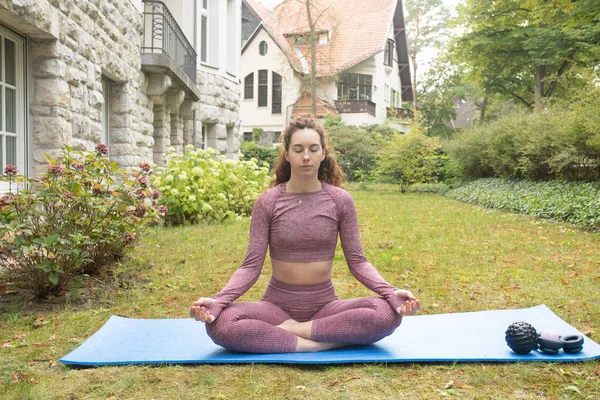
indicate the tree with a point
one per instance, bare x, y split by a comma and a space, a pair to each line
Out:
522, 48
426, 21
308, 14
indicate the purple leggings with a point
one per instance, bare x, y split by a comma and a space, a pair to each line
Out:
251, 327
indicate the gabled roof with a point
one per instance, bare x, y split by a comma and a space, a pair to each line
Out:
302, 107
358, 29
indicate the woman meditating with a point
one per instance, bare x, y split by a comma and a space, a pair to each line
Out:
299, 219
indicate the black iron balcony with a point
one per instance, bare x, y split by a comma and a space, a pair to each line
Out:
355, 106
399, 113
162, 35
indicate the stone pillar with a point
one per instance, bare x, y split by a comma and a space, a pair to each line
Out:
162, 136
174, 100
50, 115
187, 112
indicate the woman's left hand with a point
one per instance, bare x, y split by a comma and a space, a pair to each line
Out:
411, 304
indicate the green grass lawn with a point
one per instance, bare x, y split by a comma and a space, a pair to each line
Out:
455, 257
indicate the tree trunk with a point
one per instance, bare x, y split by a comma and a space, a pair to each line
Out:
413, 57
540, 73
483, 107
313, 61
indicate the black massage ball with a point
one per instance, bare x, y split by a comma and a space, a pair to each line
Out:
521, 337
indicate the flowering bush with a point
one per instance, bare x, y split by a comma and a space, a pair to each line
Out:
197, 186
80, 214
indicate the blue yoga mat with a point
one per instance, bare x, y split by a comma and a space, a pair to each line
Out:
459, 337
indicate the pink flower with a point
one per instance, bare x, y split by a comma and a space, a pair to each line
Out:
163, 210
155, 194
140, 211
68, 195
102, 149
144, 166
143, 181
78, 166
11, 169
56, 169
128, 238
5, 200
139, 193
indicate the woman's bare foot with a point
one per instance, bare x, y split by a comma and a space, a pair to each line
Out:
300, 329
311, 346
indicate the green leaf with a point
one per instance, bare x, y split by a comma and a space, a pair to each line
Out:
53, 278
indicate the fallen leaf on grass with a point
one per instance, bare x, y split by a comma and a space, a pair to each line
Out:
40, 345
7, 345
332, 384
20, 335
52, 338
351, 377
461, 385
300, 387
565, 281
52, 363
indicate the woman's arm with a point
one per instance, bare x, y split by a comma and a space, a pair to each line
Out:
249, 272
358, 264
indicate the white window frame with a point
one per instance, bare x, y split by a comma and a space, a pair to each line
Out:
19, 88
204, 143
204, 12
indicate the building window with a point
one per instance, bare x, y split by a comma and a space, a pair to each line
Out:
388, 58
276, 94
276, 136
12, 109
262, 48
263, 87
204, 32
204, 142
247, 136
393, 98
106, 111
249, 86
355, 87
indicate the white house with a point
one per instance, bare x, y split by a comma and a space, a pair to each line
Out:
362, 62
138, 75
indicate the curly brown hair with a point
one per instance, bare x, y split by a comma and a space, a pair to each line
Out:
329, 170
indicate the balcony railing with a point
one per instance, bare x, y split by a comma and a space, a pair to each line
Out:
355, 106
400, 113
163, 35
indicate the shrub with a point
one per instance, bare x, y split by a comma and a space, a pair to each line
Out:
559, 142
79, 215
413, 158
438, 188
576, 203
195, 186
356, 150
264, 154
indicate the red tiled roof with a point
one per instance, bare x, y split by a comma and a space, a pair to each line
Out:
359, 30
302, 107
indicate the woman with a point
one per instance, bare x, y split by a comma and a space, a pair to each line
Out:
299, 219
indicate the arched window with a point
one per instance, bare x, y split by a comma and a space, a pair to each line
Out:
262, 48
249, 86
276, 94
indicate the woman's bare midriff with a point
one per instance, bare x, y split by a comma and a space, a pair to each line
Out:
302, 273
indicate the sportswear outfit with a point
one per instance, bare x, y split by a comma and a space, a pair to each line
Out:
302, 227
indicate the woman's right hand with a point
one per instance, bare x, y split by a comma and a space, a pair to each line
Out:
199, 312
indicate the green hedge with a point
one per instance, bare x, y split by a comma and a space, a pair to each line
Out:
572, 202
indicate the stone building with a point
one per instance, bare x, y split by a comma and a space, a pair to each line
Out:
138, 75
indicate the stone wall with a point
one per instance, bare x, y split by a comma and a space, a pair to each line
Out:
219, 107
96, 39
76, 45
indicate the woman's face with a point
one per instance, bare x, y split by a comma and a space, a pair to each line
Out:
305, 153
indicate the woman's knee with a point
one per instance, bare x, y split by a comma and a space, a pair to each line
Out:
222, 329
387, 317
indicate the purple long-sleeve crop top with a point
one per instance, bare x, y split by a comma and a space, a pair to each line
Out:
303, 227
